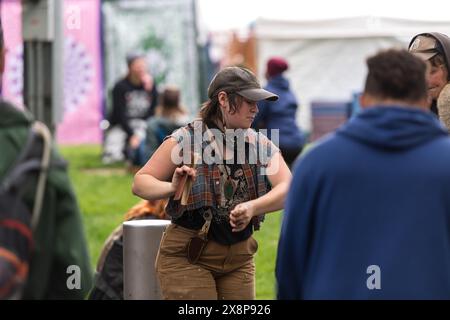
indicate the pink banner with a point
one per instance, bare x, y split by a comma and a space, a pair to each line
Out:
12, 87
82, 71
82, 67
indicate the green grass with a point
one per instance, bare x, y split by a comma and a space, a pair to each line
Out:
103, 192
267, 238
104, 195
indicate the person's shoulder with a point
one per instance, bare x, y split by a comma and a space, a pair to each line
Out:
4, 104
9, 107
441, 146
260, 141
184, 133
196, 124
121, 84
258, 136
13, 116
152, 121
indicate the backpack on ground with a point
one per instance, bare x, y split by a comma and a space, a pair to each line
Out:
17, 222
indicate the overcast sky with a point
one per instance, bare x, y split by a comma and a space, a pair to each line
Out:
237, 14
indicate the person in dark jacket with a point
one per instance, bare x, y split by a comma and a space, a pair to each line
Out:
59, 239
281, 114
368, 208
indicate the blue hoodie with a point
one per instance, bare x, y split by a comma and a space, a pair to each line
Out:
376, 194
280, 114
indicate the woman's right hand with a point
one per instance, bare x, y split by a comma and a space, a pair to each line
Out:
180, 173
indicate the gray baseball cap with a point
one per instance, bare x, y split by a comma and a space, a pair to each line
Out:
424, 47
241, 81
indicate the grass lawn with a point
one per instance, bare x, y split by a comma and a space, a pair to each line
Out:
104, 195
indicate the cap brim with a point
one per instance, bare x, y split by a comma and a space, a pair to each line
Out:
258, 94
425, 56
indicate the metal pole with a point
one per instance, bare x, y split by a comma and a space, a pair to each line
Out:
30, 76
57, 83
39, 85
42, 31
141, 240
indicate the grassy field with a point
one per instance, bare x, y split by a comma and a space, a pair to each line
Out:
104, 195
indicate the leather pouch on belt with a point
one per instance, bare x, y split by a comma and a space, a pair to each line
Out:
197, 244
195, 248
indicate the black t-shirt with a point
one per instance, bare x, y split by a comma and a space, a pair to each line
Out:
220, 230
131, 102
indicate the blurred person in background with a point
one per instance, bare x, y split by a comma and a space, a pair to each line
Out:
434, 48
281, 114
134, 99
59, 239
169, 116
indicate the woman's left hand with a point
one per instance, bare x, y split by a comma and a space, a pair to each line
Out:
241, 216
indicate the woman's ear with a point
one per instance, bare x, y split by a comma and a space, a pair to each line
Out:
223, 99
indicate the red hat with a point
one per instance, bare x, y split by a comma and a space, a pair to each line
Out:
276, 65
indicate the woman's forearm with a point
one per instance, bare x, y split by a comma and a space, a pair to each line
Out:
148, 187
273, 200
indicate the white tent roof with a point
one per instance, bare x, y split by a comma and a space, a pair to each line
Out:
354, 27
327, 57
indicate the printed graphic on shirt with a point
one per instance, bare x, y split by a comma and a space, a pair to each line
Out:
234, 190
137, 103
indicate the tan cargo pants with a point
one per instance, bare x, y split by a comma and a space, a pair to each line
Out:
223, 271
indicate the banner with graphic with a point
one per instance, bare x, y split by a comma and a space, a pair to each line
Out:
162, 29
82, 67
12, 85
82, 73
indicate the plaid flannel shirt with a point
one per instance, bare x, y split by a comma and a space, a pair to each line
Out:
206, 188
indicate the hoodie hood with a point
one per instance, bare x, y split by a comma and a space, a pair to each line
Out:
11, 116
279, 82
393, 127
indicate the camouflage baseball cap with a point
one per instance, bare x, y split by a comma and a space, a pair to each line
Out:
241, 81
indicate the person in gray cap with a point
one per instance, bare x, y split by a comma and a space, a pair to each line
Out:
207, 251
434, 48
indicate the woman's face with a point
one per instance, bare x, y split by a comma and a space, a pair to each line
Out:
436, 80
244, 115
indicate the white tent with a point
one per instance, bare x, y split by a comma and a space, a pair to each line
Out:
327, 57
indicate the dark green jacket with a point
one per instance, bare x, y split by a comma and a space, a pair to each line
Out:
59, 239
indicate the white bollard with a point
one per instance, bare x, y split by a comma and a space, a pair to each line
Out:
141, 240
